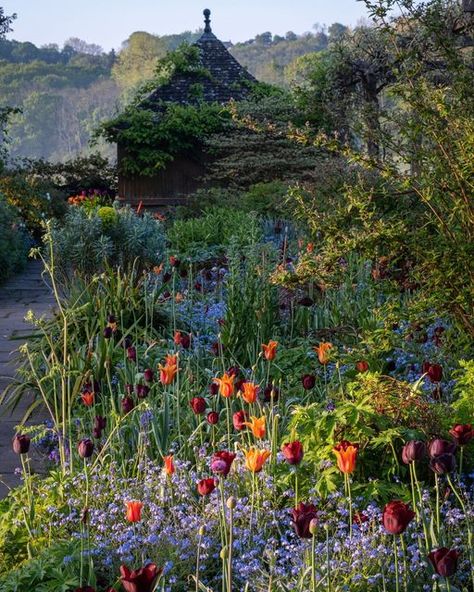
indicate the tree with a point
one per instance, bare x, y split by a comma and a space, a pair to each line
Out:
5, 22
80, 46
336, 31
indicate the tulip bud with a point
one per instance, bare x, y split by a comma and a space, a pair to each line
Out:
397, 516
313, 525
127, 404
21, 443
132, 354
212, 417
142, 390
201, 531
231, 503
444, 463
148, 375
413, 451
439, 446
213, 388
308, 380
444, 561
85, 448
238, 419
462, 434
271, 394
198, 405
107, 332
111, 319
224, 553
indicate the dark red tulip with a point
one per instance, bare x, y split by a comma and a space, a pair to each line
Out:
212, 417
439, 446
444, 561
166, 277
221, 462
462, 433
111, 319
443, 463
413, 451
132, 354
233, 371
99, 425
293, 452
434, 371
129, 389
397, 516
148, 375
139, 580
206, 486
308, 380
198, 286
107, 332
85, 448
239, 384
127, 342
271, 394
302, 516
213, 388
198, 405
238, 419
85, 589
127, 404
186, 341
21, 443
142, 390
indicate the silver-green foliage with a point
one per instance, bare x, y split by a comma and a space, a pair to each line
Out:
87, 243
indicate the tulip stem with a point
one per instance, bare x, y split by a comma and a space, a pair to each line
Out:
349, 495
395, 553
461, 455
438, 520
229, 556
296, 487
313, 563
328, 558
405, 566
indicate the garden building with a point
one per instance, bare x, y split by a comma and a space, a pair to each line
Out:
224, 80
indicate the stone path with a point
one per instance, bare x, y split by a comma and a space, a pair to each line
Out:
24, 292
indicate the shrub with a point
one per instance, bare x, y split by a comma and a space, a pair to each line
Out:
89, 242
13, 240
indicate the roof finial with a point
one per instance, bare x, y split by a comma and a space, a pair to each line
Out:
207, 20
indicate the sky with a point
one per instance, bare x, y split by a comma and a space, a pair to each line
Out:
109, 22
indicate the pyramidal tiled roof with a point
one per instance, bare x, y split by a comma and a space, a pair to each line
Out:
227, 78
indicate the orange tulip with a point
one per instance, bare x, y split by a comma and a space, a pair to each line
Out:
88, 398
269, 349
171, 360
226, 385
257, 425
167, 373
323, 352
134, 511
249, 392
310, 247
346, 454
169, 465
158, 269
255, 459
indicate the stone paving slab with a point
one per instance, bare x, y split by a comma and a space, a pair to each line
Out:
22, 293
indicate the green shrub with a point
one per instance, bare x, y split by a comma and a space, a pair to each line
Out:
13, 240
89, 242
209, 235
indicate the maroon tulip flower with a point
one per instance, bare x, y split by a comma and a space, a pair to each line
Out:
362, 366
443, 463
127, 404
21, 443
212, 417
99, 425
85, 448
148, 374
233, 371
139, 580
462, 433
397, 516
213, 388
439, 446
206, 486
293, 452
306, 301
132, 353
174, 261
85, 589
434, 371
413, 451
308, 380
238, 419
271, 393
221, 462
444, 561
302, 516
142, 391
198, 405
107, 332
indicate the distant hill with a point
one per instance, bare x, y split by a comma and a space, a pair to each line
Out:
65, 92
